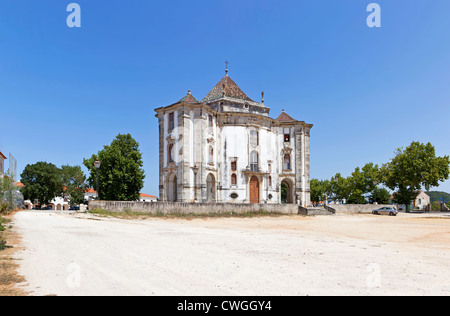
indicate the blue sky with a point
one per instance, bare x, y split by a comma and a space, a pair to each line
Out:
66, 92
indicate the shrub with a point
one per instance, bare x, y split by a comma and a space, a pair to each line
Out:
2, 228
436, 206
4, 208
2, 222
3, 245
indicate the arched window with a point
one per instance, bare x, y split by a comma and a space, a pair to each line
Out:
254, 161
233, 179
270, 181
287, 162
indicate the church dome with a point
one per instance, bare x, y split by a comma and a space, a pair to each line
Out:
226, 88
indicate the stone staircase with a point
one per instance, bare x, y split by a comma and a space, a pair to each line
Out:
314, 211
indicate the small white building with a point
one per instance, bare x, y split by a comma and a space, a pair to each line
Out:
148, 198
59, 204
422, 202
90, 194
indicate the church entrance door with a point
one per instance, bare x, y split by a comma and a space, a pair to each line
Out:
254, 190
172, 189
286, 192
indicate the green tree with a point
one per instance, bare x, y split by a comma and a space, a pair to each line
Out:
381, 196
357, 187
43, 182
120, 176
73, 180
339, 188
413, 168
363, 180
404, 196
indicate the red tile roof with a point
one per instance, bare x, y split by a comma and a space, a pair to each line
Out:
228, 88
285, 118
2, 156
150, 196
189, 98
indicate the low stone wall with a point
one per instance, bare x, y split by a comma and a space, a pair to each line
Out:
355, 208
167, 208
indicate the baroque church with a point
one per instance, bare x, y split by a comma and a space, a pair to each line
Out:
226, 148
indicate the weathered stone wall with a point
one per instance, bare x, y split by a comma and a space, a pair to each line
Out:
355, 208
167, 208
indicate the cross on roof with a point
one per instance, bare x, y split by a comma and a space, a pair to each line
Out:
226, 70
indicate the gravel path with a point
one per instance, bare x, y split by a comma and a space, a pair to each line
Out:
68, 254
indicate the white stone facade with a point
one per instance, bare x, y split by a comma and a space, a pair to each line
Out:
226, 148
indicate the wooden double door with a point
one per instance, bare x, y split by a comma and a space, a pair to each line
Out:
254, 190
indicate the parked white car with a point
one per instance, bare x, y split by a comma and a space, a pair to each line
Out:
387, 210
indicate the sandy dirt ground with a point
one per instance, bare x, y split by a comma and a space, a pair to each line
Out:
67, 254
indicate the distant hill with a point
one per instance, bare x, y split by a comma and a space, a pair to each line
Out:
436, 195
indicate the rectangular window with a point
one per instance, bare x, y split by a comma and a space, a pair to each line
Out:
171, 121
287, 162
211, 155
210, 119
254, 161
170, 153
287, 135
233, 165
287, 138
